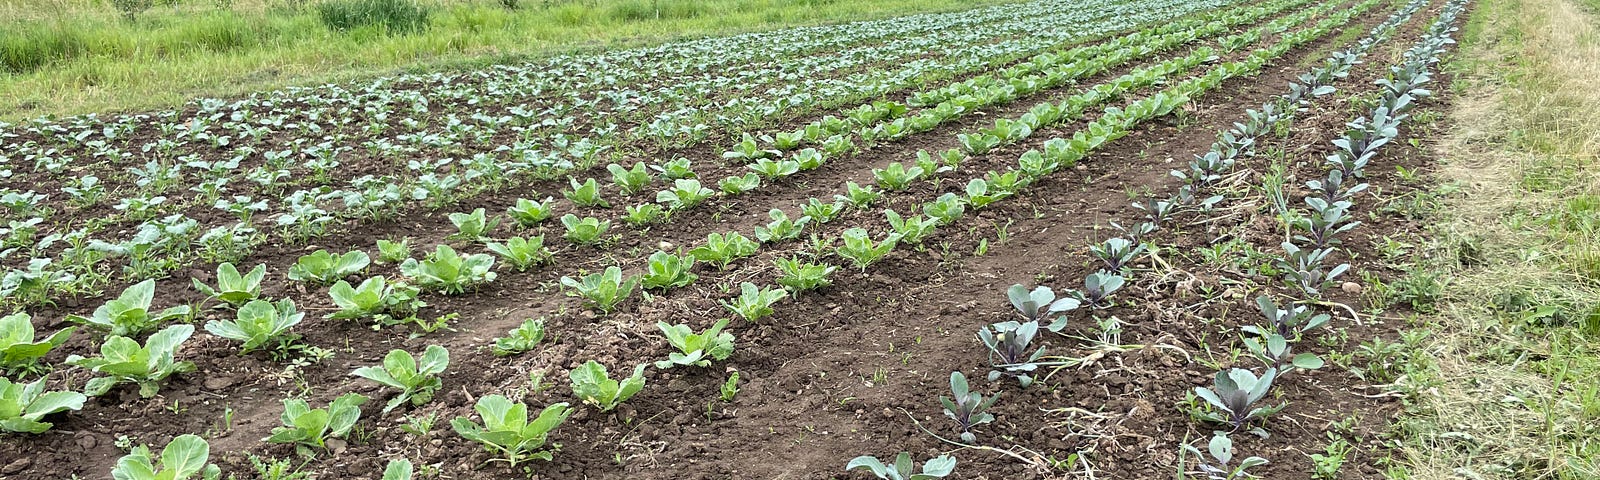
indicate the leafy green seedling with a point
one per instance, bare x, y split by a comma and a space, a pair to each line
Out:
630, 180
520, 339
684, 194
781, 228
799, 276
722, 249
1039, 304
1008, 344
323, 268
233, 288
122, 360
696, 349
313, 427
522, 253
859, 248
586, 230
373, 298
903, 468
591, 383
528, 213
183, 458
1221, 450
1235, 394
668, 271
1277, 353
129, 314
507, 431
260, 323
449, 272
473, 226
586, 194
24, 406
966, 407
603, 291
417, 381
19, 352
753, 302
394, 252
730, 388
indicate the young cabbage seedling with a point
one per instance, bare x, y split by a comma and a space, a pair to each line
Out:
398, 469
1291, 322
903, 468
821, 212
591, 383
781, 228
520, 339
130, 314
310, 427
696, 349
233, 288
730, 388
1098, 287
24, 406
473, 226
122, 360
586, 194
753, 302
1117, 253
1276, 353
603, 291
1235, 393
375, 298
799, 276
449, 272
668, 271
1008, 350
1221, 450
260, 324
394, 252
415, 380
1040, 304
528, 213
896, 176
722, 249
645, 214
685, 193
522, 253
967, 408
323, 268
19, 353
183, 458
507, 431
859, 248
913, 229
585, 231
736, 185
630, 180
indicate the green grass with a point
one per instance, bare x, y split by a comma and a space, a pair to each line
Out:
60, 58
1508, 387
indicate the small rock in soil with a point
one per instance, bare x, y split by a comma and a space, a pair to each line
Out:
17, 466
1351, 288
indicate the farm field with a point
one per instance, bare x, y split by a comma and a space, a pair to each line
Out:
1043, 239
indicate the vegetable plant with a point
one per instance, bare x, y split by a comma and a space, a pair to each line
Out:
946, 209
394, 252
736, 185
374, 297
630, 180
449, 272
858, 247
260, 323
1275, 351
1008, 344
1235, 393
24, 406
903, 468
522, 253
507, 431
685, 193
123, 360
1291, 322
591, 383
897, 176
310, 427
753, 302
858, 196
472, 226
696, 349
233, 288
911, 230
323, 268
585, 194
183, 458
585, 231
129, 314
966, 407
1098, 287
668, 271
721, 249
416, 380
1039, 304
520, 339
678, 168
771, 169
1221, 455
799, 276
528, 213
19, 352
821, 212
1117, 253
781, 228
645, 214
604, 290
